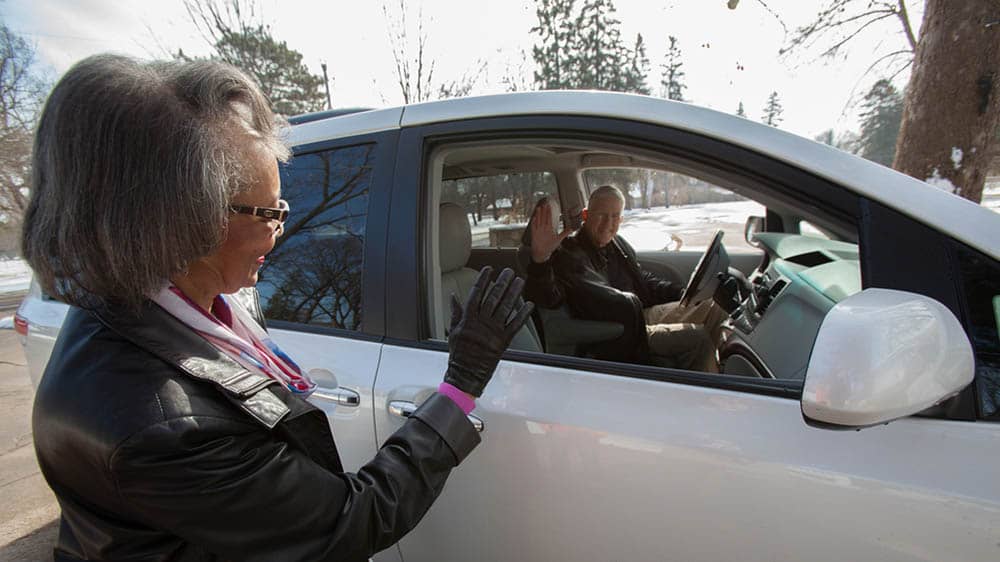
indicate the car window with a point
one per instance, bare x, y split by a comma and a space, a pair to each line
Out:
774, 306
982, 294
314, 275
669, 211
500, 205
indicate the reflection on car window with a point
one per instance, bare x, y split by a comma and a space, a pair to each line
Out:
807, 229
667, 211
499, 206
314, 274
982, 294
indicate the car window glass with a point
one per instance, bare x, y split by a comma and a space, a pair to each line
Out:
314, 275
774, 305
499, 206
667, 211
981, 275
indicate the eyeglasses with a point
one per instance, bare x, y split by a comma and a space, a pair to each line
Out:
269, 213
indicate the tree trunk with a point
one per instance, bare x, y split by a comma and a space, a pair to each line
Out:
951, 114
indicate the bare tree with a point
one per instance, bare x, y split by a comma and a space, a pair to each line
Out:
238, 36
465, 85
412, 74
21, 95
415, 67
517, 75
951, 112
841, 21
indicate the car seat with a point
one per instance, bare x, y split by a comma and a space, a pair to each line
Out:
454, 248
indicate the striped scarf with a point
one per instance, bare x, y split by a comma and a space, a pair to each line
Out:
233, 332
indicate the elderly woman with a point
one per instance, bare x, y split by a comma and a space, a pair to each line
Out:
169, 426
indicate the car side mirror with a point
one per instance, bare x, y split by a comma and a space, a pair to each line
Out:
883, 354
753, 225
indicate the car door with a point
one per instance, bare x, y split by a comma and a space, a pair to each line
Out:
590, 460
321, 286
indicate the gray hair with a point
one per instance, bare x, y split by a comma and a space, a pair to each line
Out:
607, 191
134, 168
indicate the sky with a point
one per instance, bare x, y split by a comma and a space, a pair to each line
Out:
729, 56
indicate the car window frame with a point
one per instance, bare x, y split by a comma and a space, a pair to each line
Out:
409, 325
373, 299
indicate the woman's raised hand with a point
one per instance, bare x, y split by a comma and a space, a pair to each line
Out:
481, 332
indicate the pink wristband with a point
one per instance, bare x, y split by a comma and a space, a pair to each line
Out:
465, 402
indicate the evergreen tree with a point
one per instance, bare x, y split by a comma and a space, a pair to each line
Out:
672, 82
638, 68
600, 53
772, 110
740, 112
249, 46
278, 69
882, 112
583, 49
554, 53
826, 137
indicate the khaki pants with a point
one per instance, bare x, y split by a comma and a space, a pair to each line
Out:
684, 338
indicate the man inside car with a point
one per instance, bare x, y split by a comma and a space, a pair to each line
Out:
596, 274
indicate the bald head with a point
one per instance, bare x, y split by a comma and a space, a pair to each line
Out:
604, 214
607, 191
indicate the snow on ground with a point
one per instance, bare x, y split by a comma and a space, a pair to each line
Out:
7, 323
695, 225
651, 229
15, 275
991, 197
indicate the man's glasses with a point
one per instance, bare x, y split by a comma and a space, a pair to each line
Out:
269, 213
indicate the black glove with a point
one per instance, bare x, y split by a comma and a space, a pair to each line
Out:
667, 292
481, 334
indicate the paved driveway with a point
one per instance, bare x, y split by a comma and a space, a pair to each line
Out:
28, 512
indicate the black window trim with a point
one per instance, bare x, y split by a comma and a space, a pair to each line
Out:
373, 318
981, 355
409, 323
882, 231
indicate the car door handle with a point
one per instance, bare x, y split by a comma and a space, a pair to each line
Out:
404, 409
340, 396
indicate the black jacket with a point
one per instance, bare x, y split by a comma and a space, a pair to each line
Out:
158, 447
601, 284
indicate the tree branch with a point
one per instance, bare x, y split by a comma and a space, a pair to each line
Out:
833, 50
907, 28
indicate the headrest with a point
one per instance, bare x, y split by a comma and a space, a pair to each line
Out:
454, 237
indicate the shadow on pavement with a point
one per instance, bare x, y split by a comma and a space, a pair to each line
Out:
34, 546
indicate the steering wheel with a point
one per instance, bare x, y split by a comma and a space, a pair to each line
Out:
705, 279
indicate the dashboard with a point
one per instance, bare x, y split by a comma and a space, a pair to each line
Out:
799, 280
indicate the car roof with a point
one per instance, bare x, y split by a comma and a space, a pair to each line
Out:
973, 224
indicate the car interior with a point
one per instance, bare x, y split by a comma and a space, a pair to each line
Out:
773, 264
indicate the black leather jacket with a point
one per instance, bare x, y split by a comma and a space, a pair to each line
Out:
158, 447
601, 284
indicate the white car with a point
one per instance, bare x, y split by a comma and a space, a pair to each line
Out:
870, 297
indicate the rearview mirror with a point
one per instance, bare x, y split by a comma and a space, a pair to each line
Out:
881, 355
753, 225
